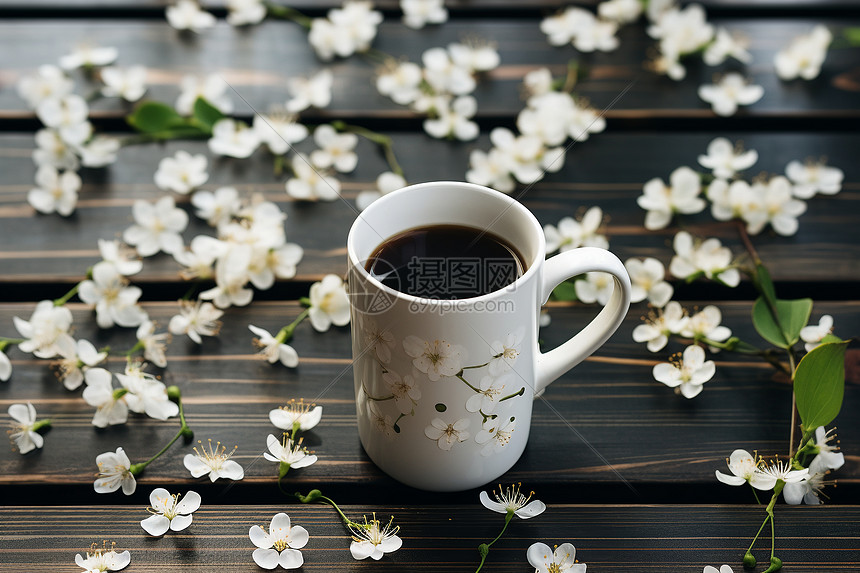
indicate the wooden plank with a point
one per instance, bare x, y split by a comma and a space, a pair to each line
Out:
257, 64
607, 170
643, 437
443, 538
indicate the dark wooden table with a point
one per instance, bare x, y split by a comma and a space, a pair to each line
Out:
625, 467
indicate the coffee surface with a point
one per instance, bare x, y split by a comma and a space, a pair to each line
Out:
445, 262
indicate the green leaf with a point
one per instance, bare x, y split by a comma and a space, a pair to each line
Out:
206, 113
793, 316
565, 291
765, 284
153, 116
852, 35
819, 384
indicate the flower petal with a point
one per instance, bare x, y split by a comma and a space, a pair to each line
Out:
361, 549
298, 537
232, 470
180, 522
490, 504
533, 509
266, 558
291, 559
189, 503
155, 525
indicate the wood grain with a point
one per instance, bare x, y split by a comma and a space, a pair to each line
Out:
257, 64
608, 170
443, 538
642, 436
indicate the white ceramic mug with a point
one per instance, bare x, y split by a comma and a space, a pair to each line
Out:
444, 388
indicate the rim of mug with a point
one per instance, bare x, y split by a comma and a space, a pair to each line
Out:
511, 203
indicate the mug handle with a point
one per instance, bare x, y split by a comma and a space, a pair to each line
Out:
552, 364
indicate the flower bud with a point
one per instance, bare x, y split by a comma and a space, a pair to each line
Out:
749, 561
775, 565
174, 393
483, 549
187, 434
312, 496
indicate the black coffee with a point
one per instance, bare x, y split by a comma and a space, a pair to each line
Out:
445, 262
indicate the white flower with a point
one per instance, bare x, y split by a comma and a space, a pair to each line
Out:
68, 114
52, 150
813, 335
157, 227
599, 35
23, 433
828, 455
444, 76
496, 433
766, 476
336, 149
731, 91
309, 184
187, 15
307, 416
214, 462
647, 278
621, 11
77, 358
114, 472
233, 139
687, 373
129, 83
804, 56
154, 345
101, 559
211, 88
44, 332
404, 389
386, 182
446, 435
244, 12
280, 545
505, 353
146, 394
5, 367
491, 390
181, 173
273, 349
314, 91
100, 393
722, 569
99, 151
538, 82
662, 201
582, 29
381, 340
347, 30
571, 234
708, 257
374, 540
49, 82
726, 160
168, 513
436, 359
512, 501
455, 120
681, 31
812, 178
595, 287
742, 465
89, 56
658, 326
115, 301
400, 81
562, 560
475, 56
218, 207
279, 131
419, 13
777, 207
196, 319
329, 303
288, 452
737, 199
380, 420
726, 46
491, 169
706, 324
808, 490
56, 192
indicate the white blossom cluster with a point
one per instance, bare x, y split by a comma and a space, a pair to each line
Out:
139, 392
776, 201
804, 56
68, 141
419, 13
550, 117
441, 87
647, 276
587, 32
345, 30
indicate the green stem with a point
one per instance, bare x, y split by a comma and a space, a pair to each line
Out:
46, 423
476, 366
772, 537
157, 136
190, 292
763, 523
484, 549
4, 342
287, 13
305, 301
755, 495
383, 141
572, 76
286, 333
460, 376
315, 496
184, 430
138, 346
65, 298
514, 395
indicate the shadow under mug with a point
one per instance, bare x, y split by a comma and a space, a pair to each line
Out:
444, 388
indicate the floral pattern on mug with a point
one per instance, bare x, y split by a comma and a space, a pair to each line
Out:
435, 359
445, 434
405, 390
496, 434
